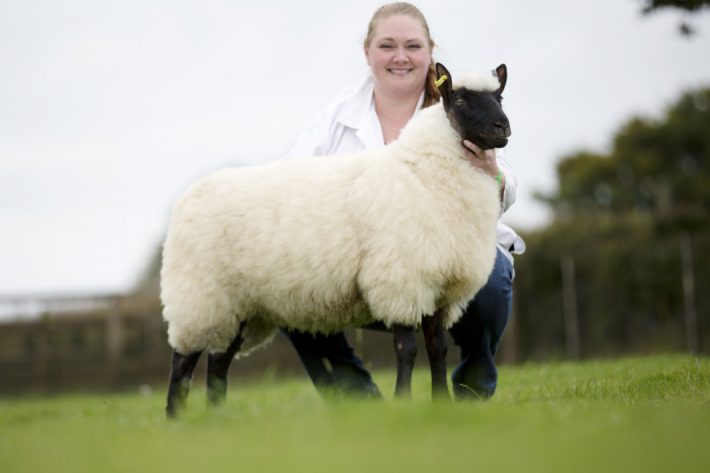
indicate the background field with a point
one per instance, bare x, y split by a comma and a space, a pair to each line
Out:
633, 414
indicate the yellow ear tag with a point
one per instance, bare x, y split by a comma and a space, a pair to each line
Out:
441, 80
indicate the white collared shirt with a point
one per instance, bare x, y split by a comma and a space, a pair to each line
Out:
350, 124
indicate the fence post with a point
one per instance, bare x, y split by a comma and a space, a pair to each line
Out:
114, 345
691, 318
569, 305
41, 357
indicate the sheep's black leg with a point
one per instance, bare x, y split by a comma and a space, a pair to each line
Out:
435, 340
218, 368
180, 377
406, 349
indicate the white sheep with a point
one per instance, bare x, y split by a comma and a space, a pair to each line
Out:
404, 234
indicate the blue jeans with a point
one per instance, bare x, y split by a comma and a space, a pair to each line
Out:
477, 333
346, 374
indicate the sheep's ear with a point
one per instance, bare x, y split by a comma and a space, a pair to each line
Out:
502, 73
443, 82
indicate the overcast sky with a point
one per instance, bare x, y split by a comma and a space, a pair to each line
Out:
108, 109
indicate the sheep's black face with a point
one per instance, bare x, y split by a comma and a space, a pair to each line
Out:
479, 118
476, 115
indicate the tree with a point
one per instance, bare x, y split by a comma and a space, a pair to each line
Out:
658, 167
623, 218
688, 6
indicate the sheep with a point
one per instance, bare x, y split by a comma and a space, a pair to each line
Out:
404, 235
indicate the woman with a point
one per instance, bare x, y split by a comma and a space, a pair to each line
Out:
398, 48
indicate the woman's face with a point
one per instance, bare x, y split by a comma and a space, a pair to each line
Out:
399, 55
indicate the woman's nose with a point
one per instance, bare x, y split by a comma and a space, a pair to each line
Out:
401, 55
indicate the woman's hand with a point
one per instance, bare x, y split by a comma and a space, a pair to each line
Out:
485, 160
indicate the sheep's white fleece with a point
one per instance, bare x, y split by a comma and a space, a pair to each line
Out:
321, 243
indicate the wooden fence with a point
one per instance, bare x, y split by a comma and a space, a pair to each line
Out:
122, 346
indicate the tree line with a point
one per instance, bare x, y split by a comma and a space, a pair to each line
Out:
625, 263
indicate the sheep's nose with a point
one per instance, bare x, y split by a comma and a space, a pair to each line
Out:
503, 127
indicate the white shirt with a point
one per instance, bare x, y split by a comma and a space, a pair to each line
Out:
350, 124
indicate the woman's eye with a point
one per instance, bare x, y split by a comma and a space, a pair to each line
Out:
386, 46
414, 46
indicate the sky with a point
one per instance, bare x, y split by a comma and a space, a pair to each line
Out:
108, 110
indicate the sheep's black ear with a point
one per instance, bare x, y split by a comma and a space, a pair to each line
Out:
502, 73
443, 81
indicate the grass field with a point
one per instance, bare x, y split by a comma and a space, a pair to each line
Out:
634, 414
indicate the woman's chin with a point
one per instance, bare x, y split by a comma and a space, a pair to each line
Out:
404, 85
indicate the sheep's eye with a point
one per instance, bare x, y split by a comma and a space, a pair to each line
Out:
458, 102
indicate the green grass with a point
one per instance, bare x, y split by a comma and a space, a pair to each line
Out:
635, 414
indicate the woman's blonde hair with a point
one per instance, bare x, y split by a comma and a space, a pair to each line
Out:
431, 91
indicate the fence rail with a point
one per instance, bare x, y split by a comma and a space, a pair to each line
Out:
120, 344
33, 306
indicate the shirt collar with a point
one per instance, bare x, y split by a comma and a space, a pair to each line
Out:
355, 112
359, 114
